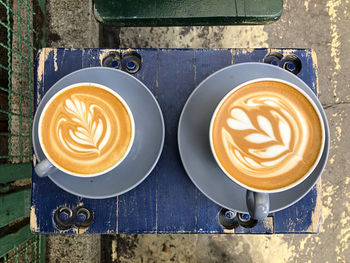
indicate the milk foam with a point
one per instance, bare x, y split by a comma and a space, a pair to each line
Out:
90, 127
266, 135
86, 130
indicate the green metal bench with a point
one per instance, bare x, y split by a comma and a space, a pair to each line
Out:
187, 12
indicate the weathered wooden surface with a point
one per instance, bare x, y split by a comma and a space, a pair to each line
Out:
167, 201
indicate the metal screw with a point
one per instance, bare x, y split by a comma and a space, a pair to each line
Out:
84, 217
112, 60
131, 62
291, 63
63, 218
230, 214
246, 221
273, 58
227, 219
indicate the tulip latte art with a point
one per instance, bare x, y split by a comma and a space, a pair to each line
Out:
267, 135
86, 130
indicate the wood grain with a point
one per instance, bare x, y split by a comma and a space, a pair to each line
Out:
167, 201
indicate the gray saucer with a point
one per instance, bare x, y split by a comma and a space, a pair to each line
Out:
148, 143
193, 138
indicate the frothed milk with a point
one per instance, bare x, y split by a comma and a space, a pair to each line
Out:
85, 130
267, 135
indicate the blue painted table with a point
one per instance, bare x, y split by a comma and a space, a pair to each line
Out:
167, 201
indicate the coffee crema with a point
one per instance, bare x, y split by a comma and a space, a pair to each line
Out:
86, 130
267, 135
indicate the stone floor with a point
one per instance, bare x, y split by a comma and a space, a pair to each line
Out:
319, 24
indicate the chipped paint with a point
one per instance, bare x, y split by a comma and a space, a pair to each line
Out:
284, 52
195, 78
304, 241
233, 52
343, 236
332, 8
34, 160
105, 52
114, 250
347, 180
41, 63
55, 59
33, 220
316, 217
268, 223
329, 191
315, 66
245, 51
306, 4
338, 133
127, 50
43, 55
229, 231
79, 230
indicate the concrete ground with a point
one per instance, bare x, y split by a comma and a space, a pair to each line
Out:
319, 24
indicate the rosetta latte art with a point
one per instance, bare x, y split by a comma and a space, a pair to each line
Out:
267, 135
88, 130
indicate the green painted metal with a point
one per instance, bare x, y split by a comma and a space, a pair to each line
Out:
12, 172
14, 206
43, 26
9, 243
30, 250
42, 251
18, 33
187, 12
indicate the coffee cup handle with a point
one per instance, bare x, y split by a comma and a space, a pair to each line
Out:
258, 204
43, 168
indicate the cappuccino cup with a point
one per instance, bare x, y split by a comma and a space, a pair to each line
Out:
267, 135
84, 130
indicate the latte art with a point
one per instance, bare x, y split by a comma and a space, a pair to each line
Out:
267, 135
269, 142
86, 130
83, 128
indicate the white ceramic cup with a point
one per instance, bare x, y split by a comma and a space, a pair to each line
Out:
48, 165
258, 200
